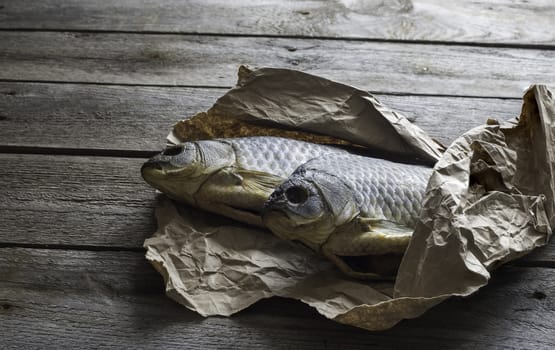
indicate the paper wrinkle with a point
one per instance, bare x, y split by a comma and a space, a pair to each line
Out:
299, 101
481, 224
481, 207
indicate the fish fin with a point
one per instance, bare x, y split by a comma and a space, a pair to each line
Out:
259, 181
227, 177
389, 229
368, 248
371, 236
237, 193
343, 265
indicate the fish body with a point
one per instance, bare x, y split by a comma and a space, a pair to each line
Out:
348, 205
232, 177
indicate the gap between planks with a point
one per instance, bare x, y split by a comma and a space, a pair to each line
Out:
118, 298
212, 60
284, 36
224, 87
521, 262
74, 247
505, 22
65, 151
133, 121
89, 202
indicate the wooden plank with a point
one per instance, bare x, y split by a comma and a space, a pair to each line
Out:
89, 202
79, 271
213, 61
501, 21
69, 200
139, 117
53, 299
93, 116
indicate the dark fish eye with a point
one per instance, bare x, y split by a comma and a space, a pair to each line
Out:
173, 151
296, 195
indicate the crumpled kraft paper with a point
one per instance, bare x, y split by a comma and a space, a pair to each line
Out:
288, 103
481, 209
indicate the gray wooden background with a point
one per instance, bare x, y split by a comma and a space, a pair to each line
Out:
89, 89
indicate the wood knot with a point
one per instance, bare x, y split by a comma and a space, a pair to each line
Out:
539, 295
5, 306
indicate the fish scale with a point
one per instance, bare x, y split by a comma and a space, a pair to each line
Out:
275, 155
382, 189
232, 177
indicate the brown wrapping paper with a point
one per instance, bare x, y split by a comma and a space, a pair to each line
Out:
481, 208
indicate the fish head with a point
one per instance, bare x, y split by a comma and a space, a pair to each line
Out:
180, 170
308, 207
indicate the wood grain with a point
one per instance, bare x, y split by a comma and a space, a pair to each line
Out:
189, 60
501, 21
93, 116
90, 202
84, 292
139, 117
65, 200
53, 298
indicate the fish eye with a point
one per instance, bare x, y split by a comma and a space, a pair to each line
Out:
173, 151
296, 195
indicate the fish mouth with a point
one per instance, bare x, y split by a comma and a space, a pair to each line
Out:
151, 169
223, 191
179, 183
285, 227
156, 173
152, 172
157, 168
279, 223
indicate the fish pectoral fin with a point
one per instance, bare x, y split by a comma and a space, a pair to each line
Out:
227, 177
389, 229
369, 248
237, 193
258, 181
371, 236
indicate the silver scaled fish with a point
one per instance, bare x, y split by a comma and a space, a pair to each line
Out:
349, 208
232, 177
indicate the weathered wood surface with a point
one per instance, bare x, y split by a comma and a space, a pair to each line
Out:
95, 116
64, 90
55, 299
67, 200
212, 61
139, 117
91, 202
501, 21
